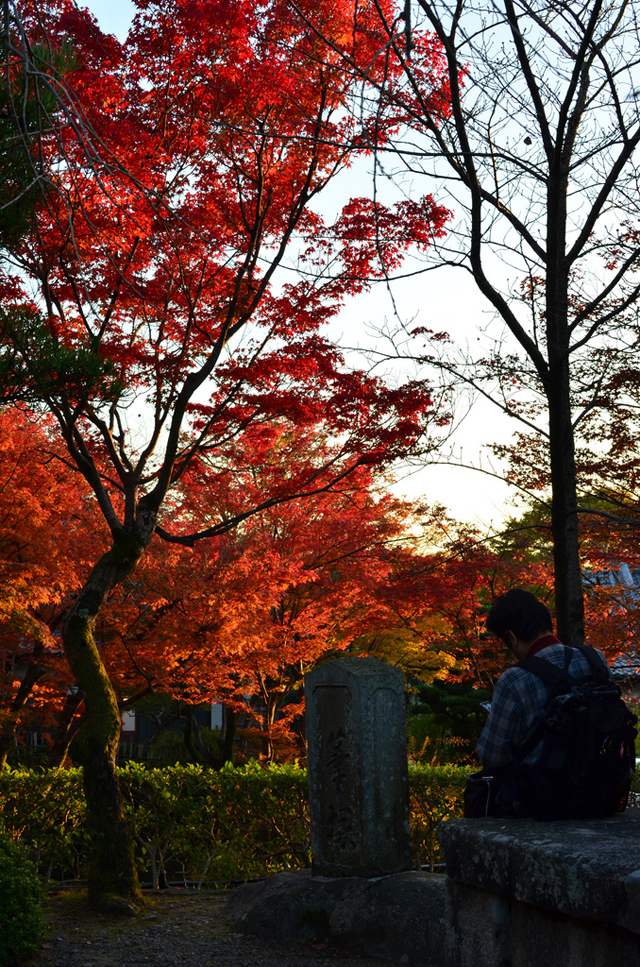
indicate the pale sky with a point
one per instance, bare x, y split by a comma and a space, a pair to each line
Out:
443, 300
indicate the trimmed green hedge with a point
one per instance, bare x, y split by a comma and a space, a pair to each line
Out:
205, 825
202, 826
199, 825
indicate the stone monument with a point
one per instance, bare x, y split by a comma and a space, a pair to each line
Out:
357, 765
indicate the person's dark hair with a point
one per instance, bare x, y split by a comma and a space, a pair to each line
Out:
521, 612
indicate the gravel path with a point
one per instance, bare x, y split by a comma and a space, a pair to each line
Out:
176, 929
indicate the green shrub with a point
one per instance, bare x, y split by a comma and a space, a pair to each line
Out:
437, 794
45, 811
21, 924
202, 826
444, 722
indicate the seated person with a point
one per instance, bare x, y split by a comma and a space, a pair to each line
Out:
579, 768
519, 700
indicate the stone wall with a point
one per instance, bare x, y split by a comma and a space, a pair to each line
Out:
522, 893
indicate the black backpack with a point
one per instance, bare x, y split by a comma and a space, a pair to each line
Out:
588, 753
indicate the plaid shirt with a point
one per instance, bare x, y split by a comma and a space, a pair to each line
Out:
518, 705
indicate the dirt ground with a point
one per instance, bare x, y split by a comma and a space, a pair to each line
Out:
177, 928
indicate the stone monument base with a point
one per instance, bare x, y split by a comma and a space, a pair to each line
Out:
399, 917
518, 893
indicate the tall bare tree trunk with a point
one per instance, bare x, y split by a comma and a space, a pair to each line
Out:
564, 514
564, 498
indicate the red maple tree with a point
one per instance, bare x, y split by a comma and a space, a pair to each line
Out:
50, 531
165, 327
240, 618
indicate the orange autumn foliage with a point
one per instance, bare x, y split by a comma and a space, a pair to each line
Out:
49, 532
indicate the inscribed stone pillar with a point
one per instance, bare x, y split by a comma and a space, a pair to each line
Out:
357, 764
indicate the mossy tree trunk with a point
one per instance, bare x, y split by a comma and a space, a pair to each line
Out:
112, 872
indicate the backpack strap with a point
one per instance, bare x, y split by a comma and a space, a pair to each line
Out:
549, 672
558, 678
597, 664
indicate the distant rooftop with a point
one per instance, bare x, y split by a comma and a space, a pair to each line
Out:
626, 666
620, 576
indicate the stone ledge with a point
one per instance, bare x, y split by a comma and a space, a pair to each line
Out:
586, 869
399, 917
